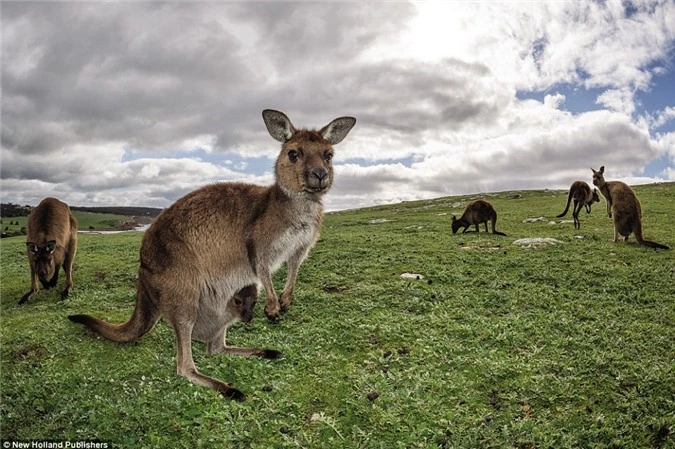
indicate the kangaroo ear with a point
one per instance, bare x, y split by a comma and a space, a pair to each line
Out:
454, 218
278, 125
50, 246
338, 129
602, 169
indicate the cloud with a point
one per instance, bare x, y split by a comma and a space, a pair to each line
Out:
620, 100
98, 107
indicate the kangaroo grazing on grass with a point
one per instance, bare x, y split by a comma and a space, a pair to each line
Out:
476, 212
583, 196
51, 243
624, 207
203, 252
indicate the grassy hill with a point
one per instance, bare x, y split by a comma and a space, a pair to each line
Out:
88, 218
497, 346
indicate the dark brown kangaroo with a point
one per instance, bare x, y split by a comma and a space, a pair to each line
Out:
583, 195
624, 207
476, 212
203, 250
51, 243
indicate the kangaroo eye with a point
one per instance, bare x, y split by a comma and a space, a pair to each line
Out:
293, 156
328, 157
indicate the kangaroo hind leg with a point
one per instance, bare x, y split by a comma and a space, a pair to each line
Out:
575, 214
219, 346
185, 365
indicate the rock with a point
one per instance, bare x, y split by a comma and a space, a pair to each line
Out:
412, 276
536, 242
535, 219
378, 220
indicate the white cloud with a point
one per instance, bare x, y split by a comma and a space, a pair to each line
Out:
662, 117
433, 86
619, 100
554, 101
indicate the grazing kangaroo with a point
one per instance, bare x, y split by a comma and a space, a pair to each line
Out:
51, 243
476, 212
624, 207
583, 196
201, 252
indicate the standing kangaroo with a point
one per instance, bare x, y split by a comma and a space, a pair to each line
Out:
582, 194
51, 243
624, 207
209, 245
476, 212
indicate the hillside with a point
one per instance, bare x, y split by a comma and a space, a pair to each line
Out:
120, 210
14, 218
495, 345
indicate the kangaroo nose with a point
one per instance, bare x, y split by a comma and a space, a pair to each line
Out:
321, 174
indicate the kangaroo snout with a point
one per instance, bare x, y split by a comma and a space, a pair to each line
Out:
318, 178
44, 276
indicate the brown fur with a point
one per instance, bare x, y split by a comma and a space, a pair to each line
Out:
583, 195
476, 212
624, 207
51, 243
204, 249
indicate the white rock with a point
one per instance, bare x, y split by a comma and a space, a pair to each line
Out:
536, 242
535, 219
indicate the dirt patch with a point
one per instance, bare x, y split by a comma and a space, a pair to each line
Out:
333, 288
31, 353
479, 247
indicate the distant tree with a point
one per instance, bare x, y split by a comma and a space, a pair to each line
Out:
24, 230
6, 228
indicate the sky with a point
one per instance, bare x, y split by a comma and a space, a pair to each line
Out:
139, 103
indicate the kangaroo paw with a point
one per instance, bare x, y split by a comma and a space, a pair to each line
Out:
233, 393
271, 354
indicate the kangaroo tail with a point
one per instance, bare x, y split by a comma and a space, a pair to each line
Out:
638, 236
567, 207
144, 318
494, 224
653, 244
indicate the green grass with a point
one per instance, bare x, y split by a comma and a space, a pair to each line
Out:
569, 346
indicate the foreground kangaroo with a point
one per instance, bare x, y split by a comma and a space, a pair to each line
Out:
476, 212
624, 207
51, 243
583, 196
204, 249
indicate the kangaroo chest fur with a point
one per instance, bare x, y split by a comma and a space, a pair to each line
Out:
299, 237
